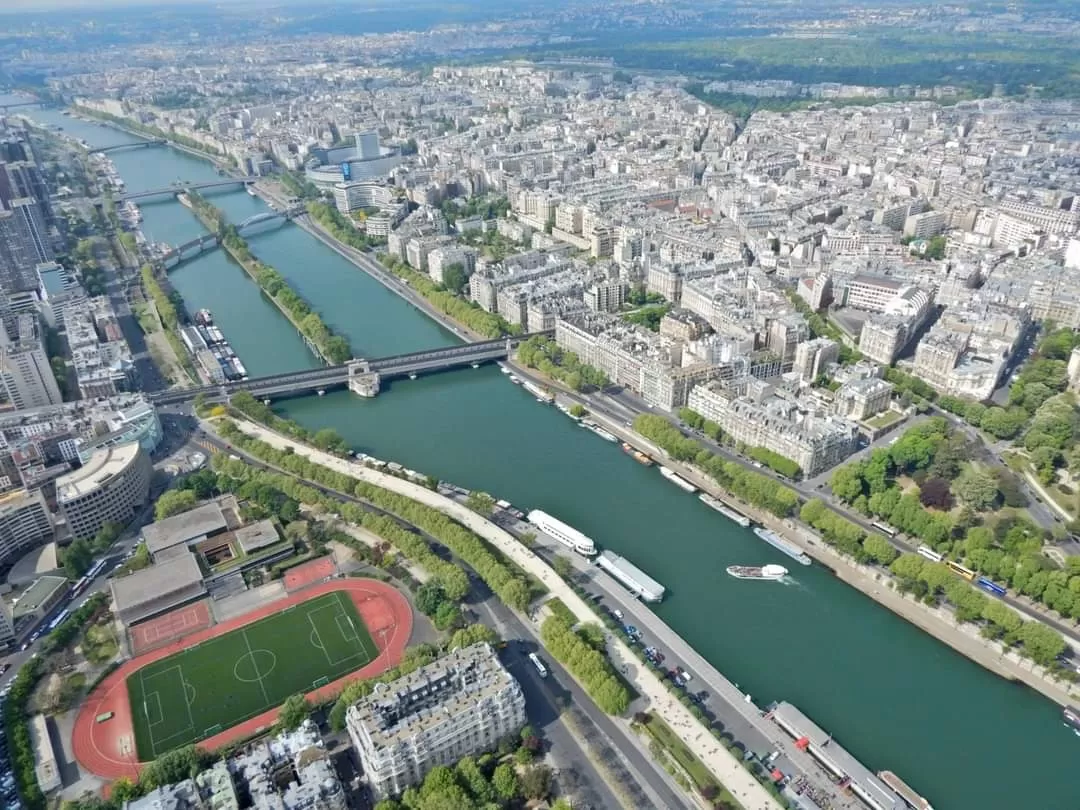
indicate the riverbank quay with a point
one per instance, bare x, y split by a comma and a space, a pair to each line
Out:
874, 583
88, 114
728, 770
740, 717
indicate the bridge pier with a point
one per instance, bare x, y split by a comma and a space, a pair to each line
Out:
362, 380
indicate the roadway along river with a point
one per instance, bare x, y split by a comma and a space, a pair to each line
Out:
891, 694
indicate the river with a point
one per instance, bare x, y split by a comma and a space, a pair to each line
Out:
894, 696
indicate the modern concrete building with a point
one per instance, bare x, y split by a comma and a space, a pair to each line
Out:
35, 603
367, 160
45, 765
25, 372
812, 357
7, 627
154, 590
25, 522
460, 705
106, 489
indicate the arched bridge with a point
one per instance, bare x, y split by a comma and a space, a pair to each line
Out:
179, 188
306, 382
209, 241
116, 147
16, 104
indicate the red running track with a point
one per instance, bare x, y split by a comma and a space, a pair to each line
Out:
108, 749
309, 573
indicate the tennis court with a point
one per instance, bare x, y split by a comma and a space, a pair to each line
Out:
224, 680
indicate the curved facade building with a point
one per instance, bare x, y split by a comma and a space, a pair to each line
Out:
106, 489
25, 523
366, 160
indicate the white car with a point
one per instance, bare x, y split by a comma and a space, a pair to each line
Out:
617, 614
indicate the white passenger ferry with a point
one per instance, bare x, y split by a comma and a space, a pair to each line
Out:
567, 535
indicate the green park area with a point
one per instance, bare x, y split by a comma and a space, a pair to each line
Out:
223, 681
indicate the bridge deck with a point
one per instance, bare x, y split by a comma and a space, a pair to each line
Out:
312, 380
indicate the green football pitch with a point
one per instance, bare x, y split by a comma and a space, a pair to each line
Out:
226, 680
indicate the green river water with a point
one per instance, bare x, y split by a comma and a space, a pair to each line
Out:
894, 696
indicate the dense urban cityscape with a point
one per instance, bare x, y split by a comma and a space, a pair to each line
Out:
506, 344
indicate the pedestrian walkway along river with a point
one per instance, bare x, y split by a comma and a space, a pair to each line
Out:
892, 695
719, 760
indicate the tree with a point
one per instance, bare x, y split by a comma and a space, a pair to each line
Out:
935, 492
297, 531
977, 489
294, 711
173, 502
563, 567
481, 503
455, 278
505, 782
536, 782
78, 557
429, 596
330, 441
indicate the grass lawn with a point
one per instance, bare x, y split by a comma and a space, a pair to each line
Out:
702, 776
884, 419
223, 681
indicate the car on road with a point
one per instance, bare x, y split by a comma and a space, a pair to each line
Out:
618, 614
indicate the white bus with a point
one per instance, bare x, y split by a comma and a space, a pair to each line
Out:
536, 662
929, 553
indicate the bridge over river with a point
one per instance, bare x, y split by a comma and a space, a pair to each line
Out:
209, 241
177, 189
323, 379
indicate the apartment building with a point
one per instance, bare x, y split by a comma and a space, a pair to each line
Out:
814, 442
883, 337
460, 705
859, 399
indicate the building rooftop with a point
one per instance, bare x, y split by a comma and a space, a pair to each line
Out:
257, 535
104, 465
37, 595
423, 699
136, 592
184, 528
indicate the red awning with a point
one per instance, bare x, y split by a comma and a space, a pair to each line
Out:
777, 775
802, 743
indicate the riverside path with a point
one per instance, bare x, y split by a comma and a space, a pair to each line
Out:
739, 782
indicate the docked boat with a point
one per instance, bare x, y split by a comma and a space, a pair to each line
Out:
769, 572
515, 379
541, 394
504, 369
677, 480
250, 190
637, 455
1071, 718
564, 533
727, 512
599, 431
782, 545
